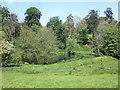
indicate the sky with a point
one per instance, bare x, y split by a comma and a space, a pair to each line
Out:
60, 8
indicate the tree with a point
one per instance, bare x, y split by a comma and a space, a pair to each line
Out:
40, 47
14, 17
102, 26
109, 14
5, 13
54, 22
70, 24
110, 44
33, 16
61, 34
72, 47
46, 45
60, 31
35, 28
93, 22
81, 33
12, 29
9, 23
26, 44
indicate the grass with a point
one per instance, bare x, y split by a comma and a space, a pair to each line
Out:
92, 72
44, 80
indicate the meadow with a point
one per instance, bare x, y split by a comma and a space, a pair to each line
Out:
88, 72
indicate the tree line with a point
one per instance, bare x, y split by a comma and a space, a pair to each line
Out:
33, 43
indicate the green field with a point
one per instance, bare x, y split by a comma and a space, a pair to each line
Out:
88, 72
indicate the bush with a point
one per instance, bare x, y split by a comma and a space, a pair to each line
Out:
6, 52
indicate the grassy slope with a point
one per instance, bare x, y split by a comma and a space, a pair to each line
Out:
85, 73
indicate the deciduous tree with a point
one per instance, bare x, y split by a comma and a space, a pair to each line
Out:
70, 24
60, 31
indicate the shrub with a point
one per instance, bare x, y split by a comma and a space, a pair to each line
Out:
6, 51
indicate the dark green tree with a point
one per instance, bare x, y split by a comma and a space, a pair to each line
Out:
110, 45
5, 13
33, 16
54, 22
92, 21
60, 31
109, 15
92, 24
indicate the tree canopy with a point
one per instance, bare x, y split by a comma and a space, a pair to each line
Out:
29, 42
33, 16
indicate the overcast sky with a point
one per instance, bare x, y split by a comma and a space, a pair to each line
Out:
61, 9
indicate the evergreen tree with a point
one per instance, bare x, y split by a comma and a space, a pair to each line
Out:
33, 16
109, 15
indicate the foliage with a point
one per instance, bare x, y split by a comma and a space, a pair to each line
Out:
9, 23
39, 45
92, 21
6, 52
54, 22
70, 25
3, 35
47, 45
13, 17
12, 29
33, 16
5, 12
110, 45
92, 24
60, 31
35, 28
109, 14
98, 38
72, 46
81, 33
40, 49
